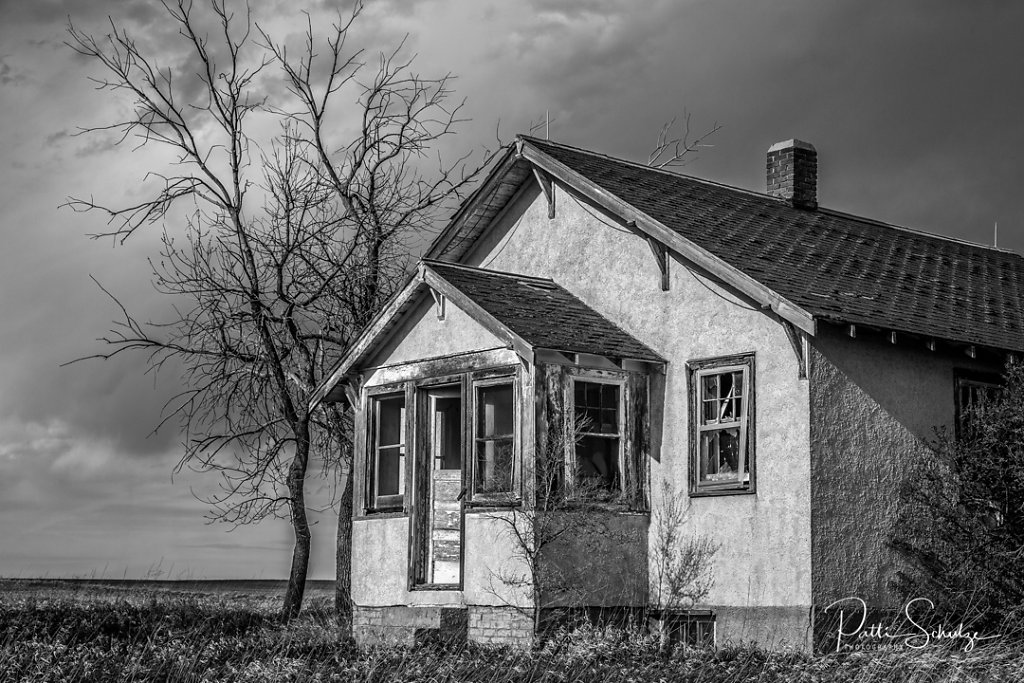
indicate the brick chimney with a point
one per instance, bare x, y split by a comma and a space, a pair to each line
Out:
793, 173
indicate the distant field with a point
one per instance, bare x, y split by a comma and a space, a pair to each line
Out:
212, 631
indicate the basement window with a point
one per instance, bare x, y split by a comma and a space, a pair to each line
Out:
722, 419
387, 450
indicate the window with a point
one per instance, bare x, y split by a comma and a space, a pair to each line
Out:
696, 628
494, 438
722, 419
973, 391
598, 435
387, 452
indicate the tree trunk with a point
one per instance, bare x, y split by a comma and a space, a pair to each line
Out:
343, 555
300, 525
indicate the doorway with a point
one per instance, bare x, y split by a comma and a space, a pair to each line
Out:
440, 524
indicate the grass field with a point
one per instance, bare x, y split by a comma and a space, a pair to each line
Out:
227, 631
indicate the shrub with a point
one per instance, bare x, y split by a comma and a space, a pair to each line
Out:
961, 522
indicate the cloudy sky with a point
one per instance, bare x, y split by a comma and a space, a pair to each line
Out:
915, 109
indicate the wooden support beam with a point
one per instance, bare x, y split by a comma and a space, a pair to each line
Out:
660, 252
352, 393
796, 340
547, 187
438, 302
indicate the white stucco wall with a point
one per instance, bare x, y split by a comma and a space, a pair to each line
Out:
422, 335
764, 559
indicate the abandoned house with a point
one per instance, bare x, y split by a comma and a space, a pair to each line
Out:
766, 361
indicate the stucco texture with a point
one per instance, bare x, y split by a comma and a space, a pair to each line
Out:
422, 335
764, 558
874, 407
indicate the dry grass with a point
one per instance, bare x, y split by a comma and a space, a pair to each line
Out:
74, 633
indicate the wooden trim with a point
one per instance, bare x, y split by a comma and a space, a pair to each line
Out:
547, 187
661, 257
693, 368
468, 208
366, 456
796, 341
672, 240
475, 311
444, 365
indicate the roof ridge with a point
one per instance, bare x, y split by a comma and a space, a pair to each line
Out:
762, 195
652, 169
918, 231
504, 273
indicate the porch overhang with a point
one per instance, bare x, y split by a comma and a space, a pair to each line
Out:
526, 314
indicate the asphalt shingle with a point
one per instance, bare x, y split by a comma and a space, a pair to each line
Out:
543, 313
837, 267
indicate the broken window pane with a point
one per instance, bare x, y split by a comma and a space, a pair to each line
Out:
597, 462
722, 426
720, 451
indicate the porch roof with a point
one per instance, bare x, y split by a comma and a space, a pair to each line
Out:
543, 313
527, 313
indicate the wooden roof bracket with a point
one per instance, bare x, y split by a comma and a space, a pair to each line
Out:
439, 300
798, 340
660, 252
548, 187
352, 392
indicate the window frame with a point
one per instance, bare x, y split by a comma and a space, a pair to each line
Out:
391, 503
964, 379
592, 376
696, 370
481, 380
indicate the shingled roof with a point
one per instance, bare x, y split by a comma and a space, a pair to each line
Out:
837, 267
543, 313
527, 313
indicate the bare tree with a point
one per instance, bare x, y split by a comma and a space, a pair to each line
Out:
673, 148
561, 512
286, 250
681, 562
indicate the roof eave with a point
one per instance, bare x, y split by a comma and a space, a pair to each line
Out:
379, 330
468, 208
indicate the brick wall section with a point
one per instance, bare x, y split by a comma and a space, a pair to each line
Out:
396, 625
500, 626
793, 173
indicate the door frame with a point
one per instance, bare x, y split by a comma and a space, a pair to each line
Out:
422, 466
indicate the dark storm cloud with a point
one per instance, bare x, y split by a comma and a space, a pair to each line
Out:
9, 75
914, 108
56, 12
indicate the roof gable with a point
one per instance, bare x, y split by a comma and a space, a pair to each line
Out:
524, 313
817, 263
